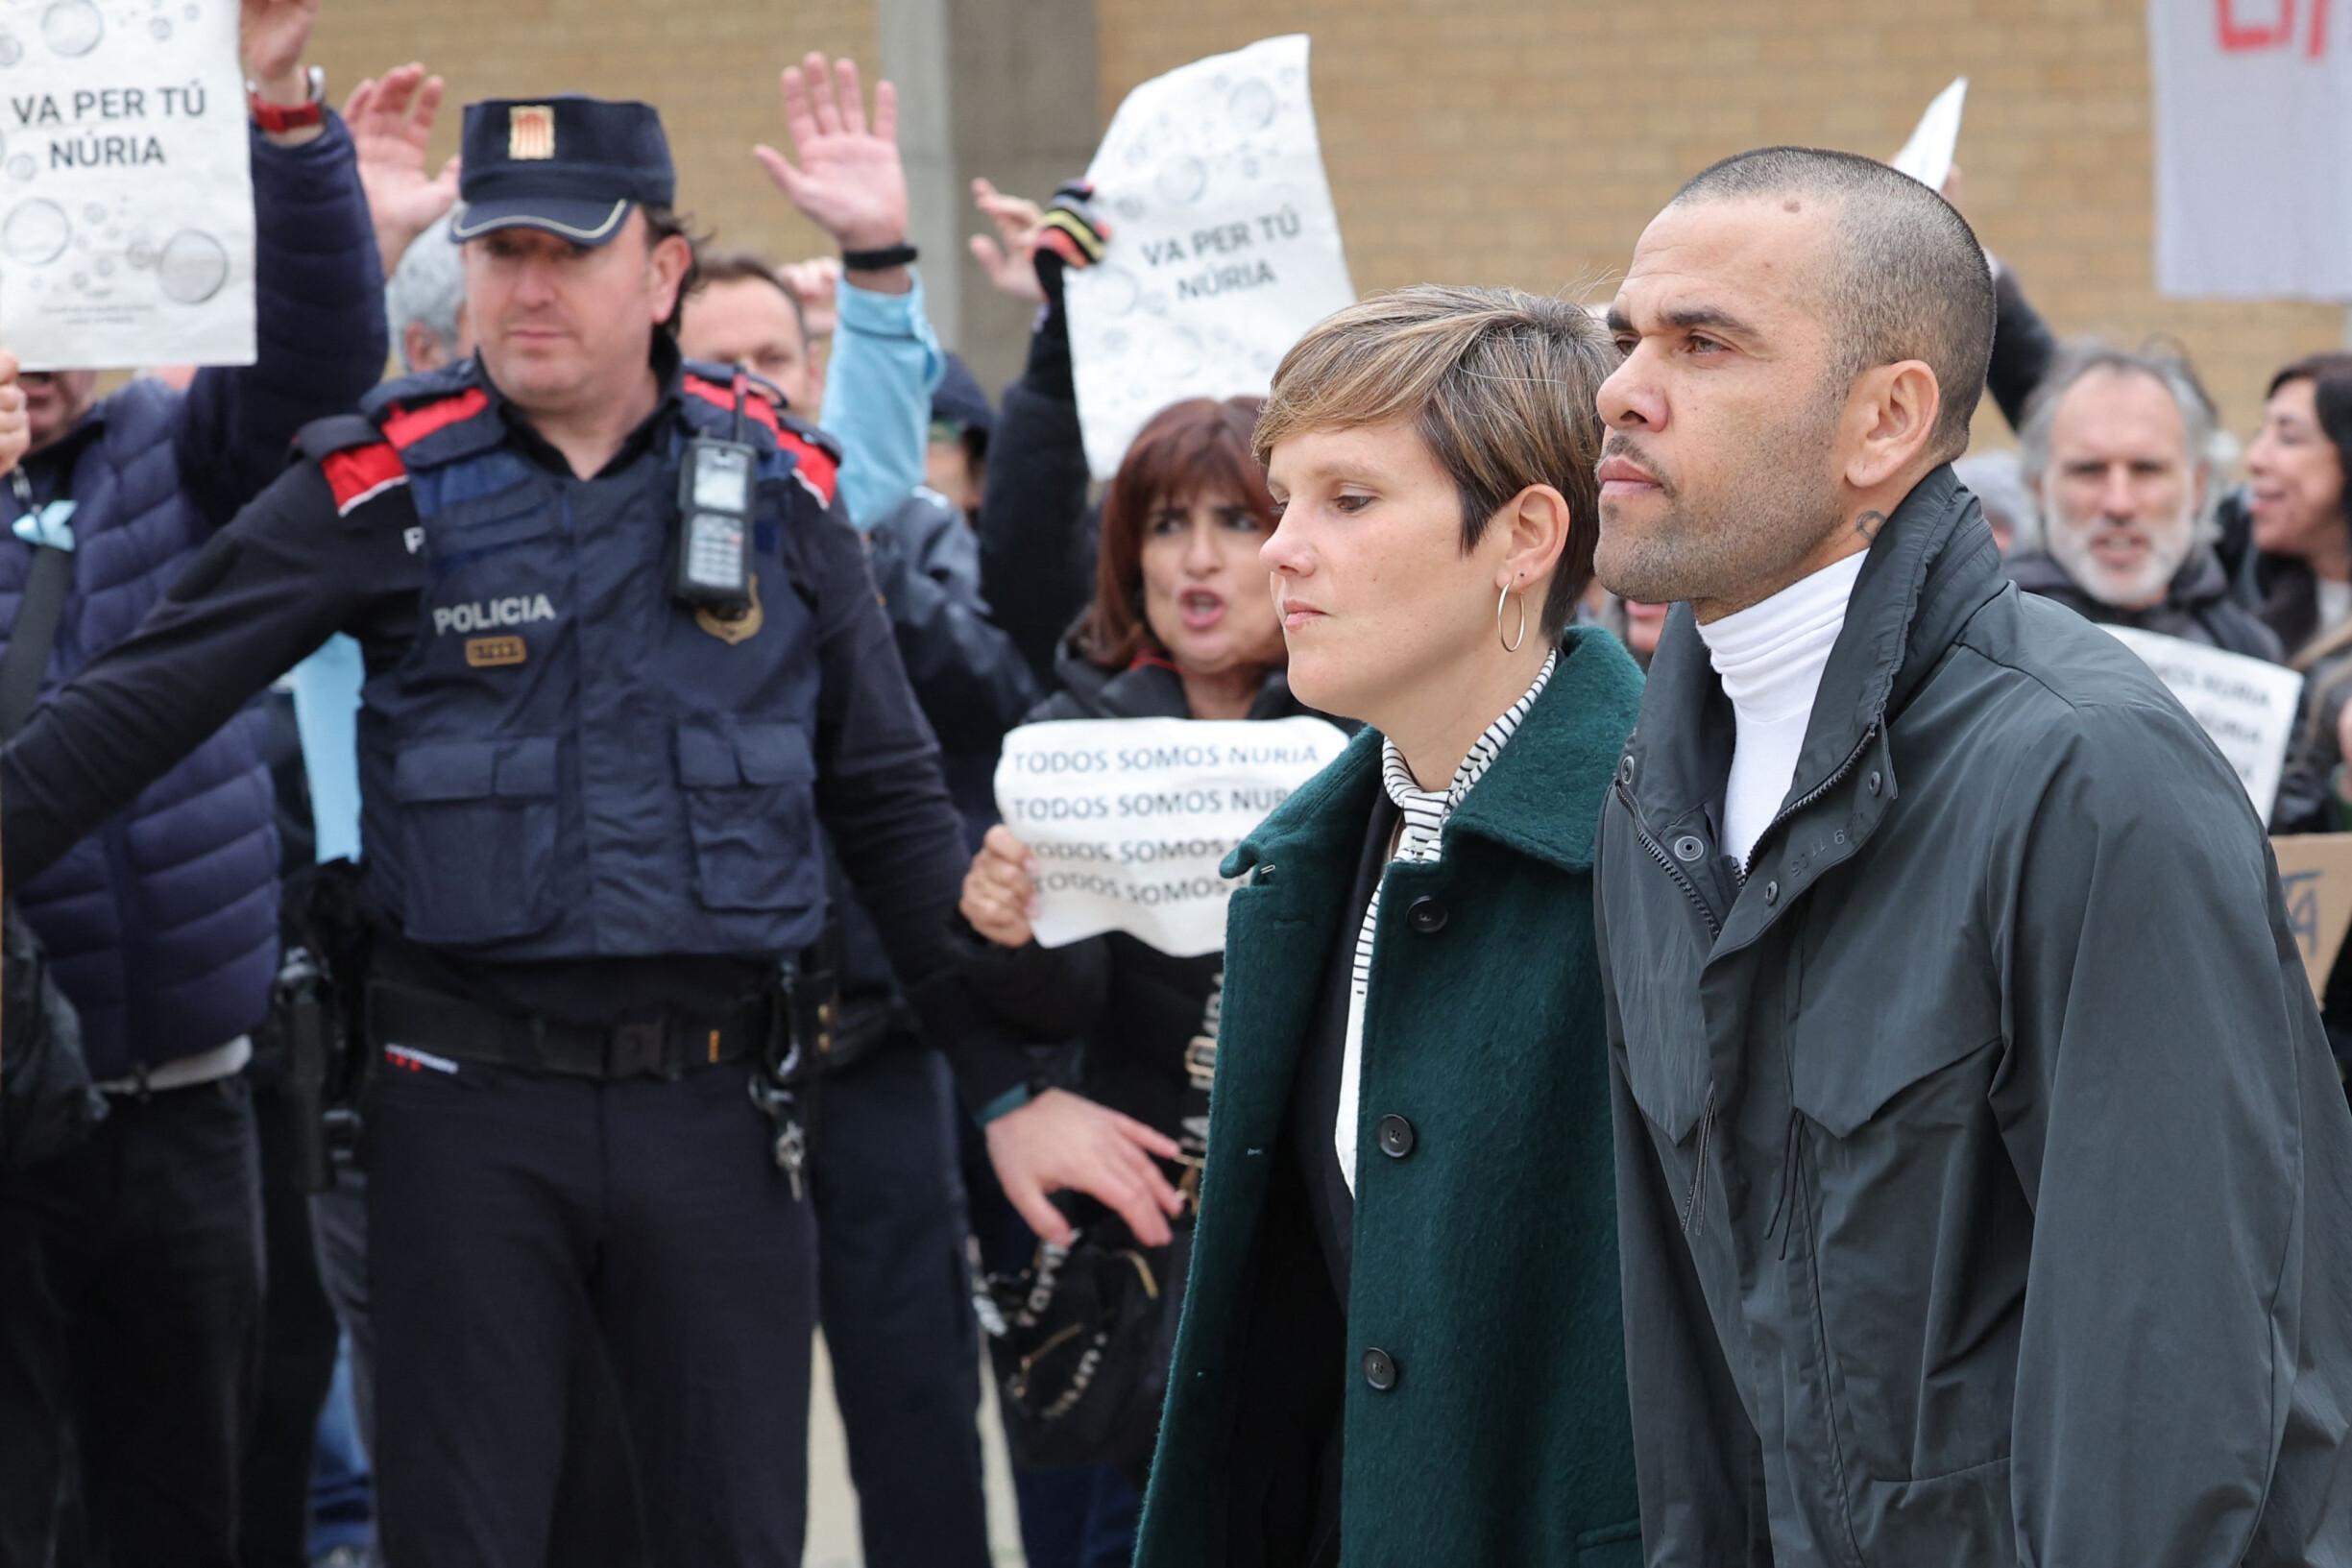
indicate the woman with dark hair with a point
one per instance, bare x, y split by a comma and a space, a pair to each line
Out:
2302, 515
1180, 626
1177, 587
1161, 612
2302, 512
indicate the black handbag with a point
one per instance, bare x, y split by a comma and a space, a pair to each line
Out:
1082, 1340
47, 1103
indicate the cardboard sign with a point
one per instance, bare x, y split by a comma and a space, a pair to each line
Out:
2247, 705
2314, 871
125, 190
1130, 818
1926, 157
1224, 248
2252, 107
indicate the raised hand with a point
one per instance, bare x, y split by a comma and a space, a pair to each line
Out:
847, 180
1011, 259
811, 282
391, 123
272, 34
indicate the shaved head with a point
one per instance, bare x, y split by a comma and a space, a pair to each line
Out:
1903, 275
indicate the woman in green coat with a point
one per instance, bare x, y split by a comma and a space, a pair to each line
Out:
1401, 1341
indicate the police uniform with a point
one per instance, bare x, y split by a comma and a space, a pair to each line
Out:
592, 816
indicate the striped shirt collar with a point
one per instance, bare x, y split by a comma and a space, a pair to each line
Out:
1425, 810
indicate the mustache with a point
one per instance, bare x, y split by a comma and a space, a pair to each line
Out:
1626, 445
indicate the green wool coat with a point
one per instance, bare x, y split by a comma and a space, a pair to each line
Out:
1486, 1259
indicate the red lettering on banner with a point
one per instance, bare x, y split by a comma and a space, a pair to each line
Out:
2238, 38
2318, 29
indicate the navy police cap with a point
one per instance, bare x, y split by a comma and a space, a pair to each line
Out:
570, 166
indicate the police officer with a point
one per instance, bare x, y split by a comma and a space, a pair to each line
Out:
606, 711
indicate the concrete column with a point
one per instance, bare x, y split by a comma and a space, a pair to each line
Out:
1027, 116
1001, 88
913, 41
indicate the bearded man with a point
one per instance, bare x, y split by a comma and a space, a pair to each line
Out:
1981, 1167
2114, 446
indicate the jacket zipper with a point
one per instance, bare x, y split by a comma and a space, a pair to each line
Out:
1809, 797
1694, 1207
1658, 852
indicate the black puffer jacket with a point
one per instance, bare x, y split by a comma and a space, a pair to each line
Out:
2197, 607
1132, 1008
1982, 1174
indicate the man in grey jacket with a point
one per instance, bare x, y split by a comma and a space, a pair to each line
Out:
1985, 1187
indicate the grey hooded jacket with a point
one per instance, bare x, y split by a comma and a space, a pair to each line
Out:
1985, 1183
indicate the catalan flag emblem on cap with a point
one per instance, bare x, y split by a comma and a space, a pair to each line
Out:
531, 132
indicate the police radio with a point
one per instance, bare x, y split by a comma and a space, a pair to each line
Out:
712, 566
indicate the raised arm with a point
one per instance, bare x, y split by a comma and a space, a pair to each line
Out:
318, 292
1035, 569
2022, 348
391, 121
847, 178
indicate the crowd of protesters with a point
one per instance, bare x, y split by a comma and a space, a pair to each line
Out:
1841, 1042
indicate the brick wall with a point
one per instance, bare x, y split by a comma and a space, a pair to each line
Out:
708, 65
1527, 141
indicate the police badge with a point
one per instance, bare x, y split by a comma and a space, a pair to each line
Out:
740, 627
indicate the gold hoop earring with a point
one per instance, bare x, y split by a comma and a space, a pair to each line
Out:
1512, 646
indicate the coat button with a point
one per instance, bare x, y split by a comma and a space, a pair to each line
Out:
1772, 894
1380, 1369
1689, 847
1397, 1137
1427, 916
1625, 769
1875, 779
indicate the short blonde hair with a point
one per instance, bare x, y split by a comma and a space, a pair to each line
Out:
1500, 385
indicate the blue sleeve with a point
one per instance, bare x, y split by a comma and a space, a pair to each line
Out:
886, 364
320, 336
327, 713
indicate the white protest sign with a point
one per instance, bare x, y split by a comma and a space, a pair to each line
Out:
2247, 705
2253, 111
1130, 818
1926, 157
1224, 248
125, 192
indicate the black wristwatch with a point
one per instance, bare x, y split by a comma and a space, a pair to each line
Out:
901, 254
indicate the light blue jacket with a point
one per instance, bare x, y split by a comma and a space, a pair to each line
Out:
886, 362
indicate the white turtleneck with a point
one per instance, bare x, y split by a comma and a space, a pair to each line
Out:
1770, 657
